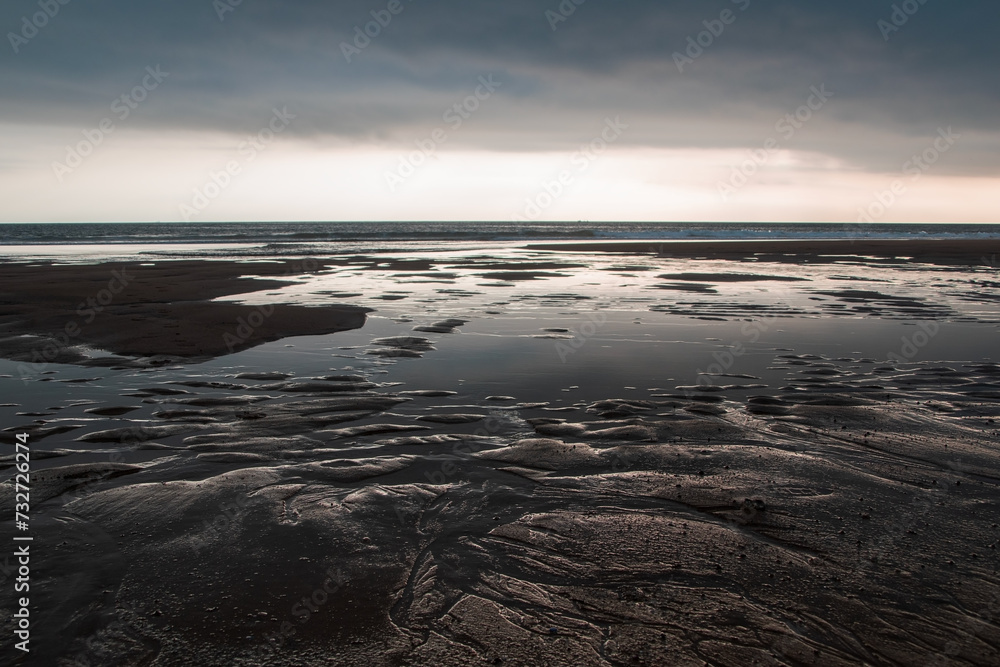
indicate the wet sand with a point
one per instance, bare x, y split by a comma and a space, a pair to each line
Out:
708, 455
155, 312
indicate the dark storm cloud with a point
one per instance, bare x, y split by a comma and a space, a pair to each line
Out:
606, 58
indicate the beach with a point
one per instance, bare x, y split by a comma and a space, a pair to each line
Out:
770, 452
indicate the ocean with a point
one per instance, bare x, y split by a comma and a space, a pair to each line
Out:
311, 236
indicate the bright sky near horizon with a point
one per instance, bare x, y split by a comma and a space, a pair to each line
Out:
731, 110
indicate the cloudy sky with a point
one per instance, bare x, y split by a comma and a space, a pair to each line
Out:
744, 110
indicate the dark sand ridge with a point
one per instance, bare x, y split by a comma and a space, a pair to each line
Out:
160, 311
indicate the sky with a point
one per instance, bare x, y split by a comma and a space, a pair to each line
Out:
721, 110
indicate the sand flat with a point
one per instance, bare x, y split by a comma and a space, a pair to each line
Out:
606, 496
